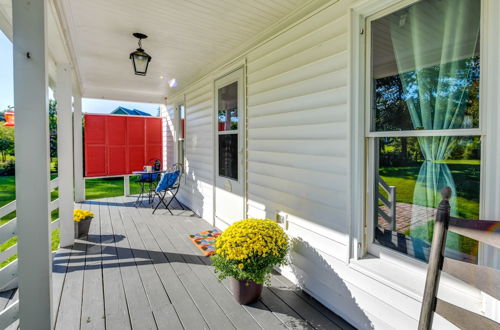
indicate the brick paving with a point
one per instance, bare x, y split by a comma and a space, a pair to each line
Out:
404, 214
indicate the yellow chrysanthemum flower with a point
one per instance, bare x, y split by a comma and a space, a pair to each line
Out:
79, 215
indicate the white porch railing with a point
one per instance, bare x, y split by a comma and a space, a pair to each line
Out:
389, 202
8, 274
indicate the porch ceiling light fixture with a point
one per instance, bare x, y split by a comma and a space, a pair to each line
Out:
140, 59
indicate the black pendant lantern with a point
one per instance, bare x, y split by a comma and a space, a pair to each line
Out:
140, 59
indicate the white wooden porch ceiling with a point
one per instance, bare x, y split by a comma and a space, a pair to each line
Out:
186, 38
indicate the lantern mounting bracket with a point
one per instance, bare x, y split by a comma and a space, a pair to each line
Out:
140, 36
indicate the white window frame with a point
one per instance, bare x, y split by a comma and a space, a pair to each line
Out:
361, 161
371, 135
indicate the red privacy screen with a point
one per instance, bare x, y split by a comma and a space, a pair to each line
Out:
118, 145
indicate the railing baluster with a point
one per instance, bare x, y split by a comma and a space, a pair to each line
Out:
436, 257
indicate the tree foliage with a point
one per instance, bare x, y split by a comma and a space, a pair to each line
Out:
53, 127
6, 141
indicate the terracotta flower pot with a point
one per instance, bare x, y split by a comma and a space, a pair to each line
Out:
245, 291
82, 228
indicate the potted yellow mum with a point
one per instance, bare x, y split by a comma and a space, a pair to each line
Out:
246, 252
82, 220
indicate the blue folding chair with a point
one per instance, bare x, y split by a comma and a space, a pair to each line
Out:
169, 182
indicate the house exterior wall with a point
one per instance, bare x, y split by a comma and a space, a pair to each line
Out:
167, 112
199, 168
298, 163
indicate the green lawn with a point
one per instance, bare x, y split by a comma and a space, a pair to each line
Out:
109, 187
466, 176
95, 189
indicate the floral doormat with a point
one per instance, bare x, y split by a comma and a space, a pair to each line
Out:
205, 241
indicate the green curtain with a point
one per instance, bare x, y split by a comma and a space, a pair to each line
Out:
434, 43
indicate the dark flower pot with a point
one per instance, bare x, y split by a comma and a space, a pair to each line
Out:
245, 291
82, 228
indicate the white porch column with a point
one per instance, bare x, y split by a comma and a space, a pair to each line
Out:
65, 152
78, 147
126, 185
32, 163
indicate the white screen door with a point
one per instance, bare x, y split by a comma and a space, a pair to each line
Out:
229, 149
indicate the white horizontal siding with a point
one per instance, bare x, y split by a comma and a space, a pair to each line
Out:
297, 163
298, 129
197, 192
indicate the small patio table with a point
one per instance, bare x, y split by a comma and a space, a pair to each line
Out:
143, 185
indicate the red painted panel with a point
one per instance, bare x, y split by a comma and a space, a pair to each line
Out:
136, 128
136, 159
95, 160
118, 145
117, 160
154, 131
94, 129
116, 130
154, 151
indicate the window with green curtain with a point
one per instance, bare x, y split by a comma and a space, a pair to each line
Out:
424, 122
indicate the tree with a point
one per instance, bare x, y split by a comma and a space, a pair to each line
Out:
6, 141
53, 127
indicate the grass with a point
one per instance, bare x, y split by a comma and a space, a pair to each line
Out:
466, 176
108, 187
95, 189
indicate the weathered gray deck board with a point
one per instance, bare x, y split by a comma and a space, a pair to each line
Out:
70, 304
187, 311
93, 316
280, 280
141, 316
258, 311
238, 316
115, 303
163, 311
280, 309
143, 273
300, 310
211, 311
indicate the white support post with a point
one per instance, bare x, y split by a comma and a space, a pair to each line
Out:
126, 185
78, 147
32, 163
65, 153
165, 129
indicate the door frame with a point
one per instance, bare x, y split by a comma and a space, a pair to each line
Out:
242, 122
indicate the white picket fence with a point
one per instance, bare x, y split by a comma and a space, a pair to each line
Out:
8, 274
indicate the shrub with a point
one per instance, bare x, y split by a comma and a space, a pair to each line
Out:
249, 249
9, 168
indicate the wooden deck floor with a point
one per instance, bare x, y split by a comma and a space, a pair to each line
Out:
139, 271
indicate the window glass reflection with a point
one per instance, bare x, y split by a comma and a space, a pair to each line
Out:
227, 111
407, 175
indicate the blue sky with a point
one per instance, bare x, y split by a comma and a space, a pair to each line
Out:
88, 105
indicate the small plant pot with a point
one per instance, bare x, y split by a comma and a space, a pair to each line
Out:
82, 228
245, 291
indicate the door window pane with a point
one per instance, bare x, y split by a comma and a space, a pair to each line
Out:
227, 112
425, 67
407, 173
228, 156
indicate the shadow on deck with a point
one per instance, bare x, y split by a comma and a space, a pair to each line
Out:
137, 270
